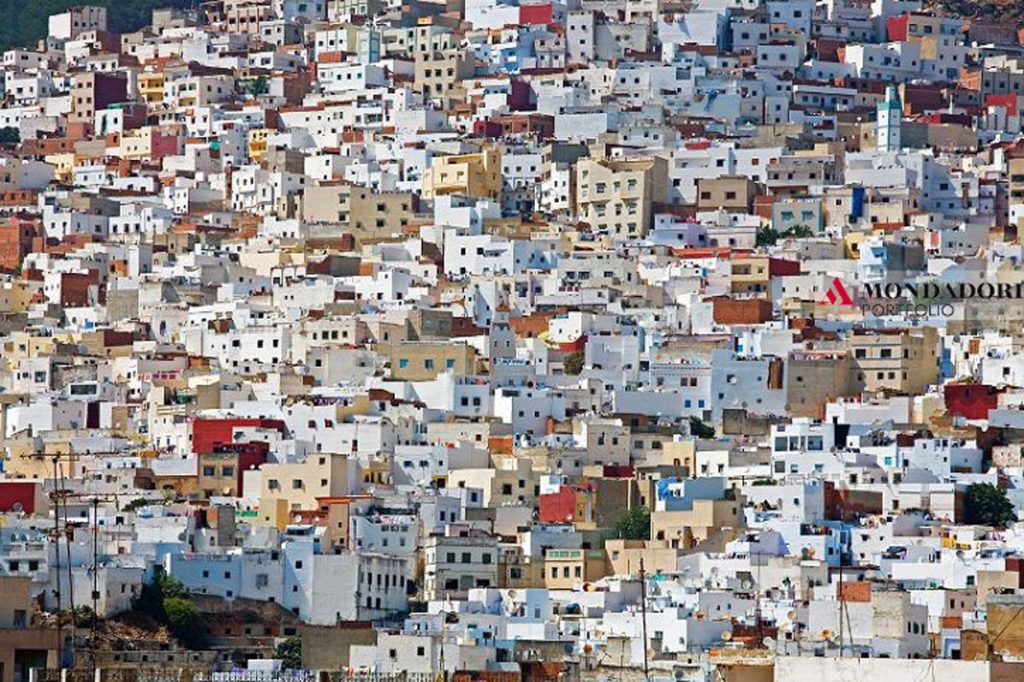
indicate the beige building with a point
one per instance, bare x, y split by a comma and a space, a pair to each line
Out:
906, 361
566, 569
513, 481
477, 174
366, 214
729, 192
682, 529
424, 360
624, 556
287, 487
617, 196
439, 73
1015, 171
816, 378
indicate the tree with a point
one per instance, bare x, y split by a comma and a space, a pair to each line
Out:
799, 232
290, 653
767, 237
987, 505
258, 86
156, 592
635, 525
184, 622
26, 22
9, 135
700, 429
140, 502
166, 600
573, 362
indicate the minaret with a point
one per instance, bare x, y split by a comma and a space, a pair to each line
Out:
890, 113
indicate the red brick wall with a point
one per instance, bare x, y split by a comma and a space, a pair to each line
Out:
15, 243
742, 311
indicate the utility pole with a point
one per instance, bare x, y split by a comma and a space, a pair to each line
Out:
64, 494
757, 599
55, 498
839, 603
444, 629
95, 581
643, 611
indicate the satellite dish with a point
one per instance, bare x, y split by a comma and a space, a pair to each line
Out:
699, 615
791, 615
826, 634
726, 636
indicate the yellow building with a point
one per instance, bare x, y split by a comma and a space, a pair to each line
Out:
477, 175
21, 345
750, 275
63, 165
258, 144
151, 87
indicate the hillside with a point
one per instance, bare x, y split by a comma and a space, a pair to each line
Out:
990, 9
25, 22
